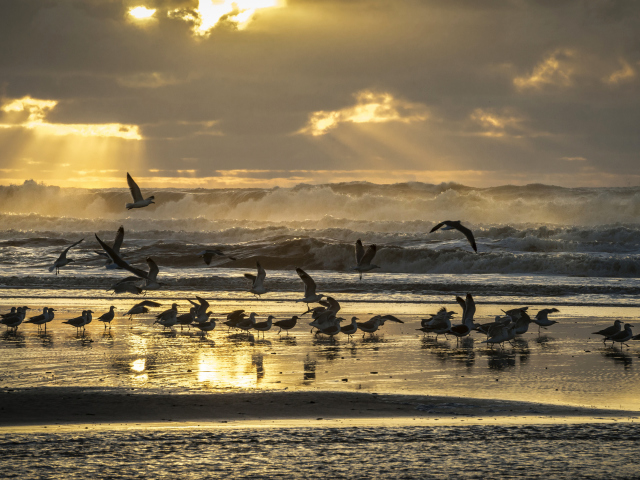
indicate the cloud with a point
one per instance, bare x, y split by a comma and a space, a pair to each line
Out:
573, 159
370, 107
31, 113
626, 72
556, 69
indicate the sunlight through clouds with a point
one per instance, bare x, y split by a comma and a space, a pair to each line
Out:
370, 107
30, 113
626, 72
210, 13
142, 12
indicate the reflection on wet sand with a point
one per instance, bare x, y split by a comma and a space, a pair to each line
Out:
400, 361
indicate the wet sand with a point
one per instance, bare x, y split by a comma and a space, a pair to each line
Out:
50, 406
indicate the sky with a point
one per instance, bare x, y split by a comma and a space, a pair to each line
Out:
255, 93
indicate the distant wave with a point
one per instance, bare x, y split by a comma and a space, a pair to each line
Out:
404, 202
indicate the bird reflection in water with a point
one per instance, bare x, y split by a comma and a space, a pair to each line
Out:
309, 369
14, 339
501, 360
257, 361
619, 357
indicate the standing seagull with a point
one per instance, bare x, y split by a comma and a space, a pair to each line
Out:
456, 225
542, 320
610, 331
208, 255
138, 201
62, 259
310, 295
107, 317
257, 285
364, 259
622, 337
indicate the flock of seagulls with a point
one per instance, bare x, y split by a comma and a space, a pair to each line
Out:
324, 318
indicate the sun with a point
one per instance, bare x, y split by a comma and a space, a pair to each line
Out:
142, 13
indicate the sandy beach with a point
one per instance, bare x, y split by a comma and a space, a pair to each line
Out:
66, 406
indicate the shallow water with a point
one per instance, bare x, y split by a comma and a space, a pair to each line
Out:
475, 451
563, 364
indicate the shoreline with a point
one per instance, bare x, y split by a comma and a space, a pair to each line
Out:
69, 406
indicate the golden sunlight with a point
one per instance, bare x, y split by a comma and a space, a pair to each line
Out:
142, 13
553, 70
370, 107
211, 12
30, 113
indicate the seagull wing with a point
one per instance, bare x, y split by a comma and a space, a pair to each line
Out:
126, 280
117, 243
261, 274
202, 308
250, 277
471, 308
120, 262
392, 318
148, 303
367, 258
469, 234
309, 284
437, 227
135, 189
64, 253
153, 269
359, 251
463, 304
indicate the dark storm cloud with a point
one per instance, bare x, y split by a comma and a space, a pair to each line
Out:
235, 99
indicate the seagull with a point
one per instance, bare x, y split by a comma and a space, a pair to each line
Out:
117, 243
287, 324
138, 201
364, 259
522, 323
310, 295
370, 326
264, 326
350, 329
247, 324
62, 259
206, 326
16, 319
168, 318
467, 325
107, 317
187, 318
201, 314
441, 315
78, 322
117, 259
9, 314
151, 281
456, 225
326, 317
234, 318
126, 285
623, 336
332, 330
141, 307
208, 255
257, 285
440, 324
515, 313
505, 333
542, 320
610, 331
39, 320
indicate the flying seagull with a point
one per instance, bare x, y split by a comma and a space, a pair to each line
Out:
310, 295
257, 285
117, 259
138, 201
364, 259
456, 225
117, 243
62, 259
208, 255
